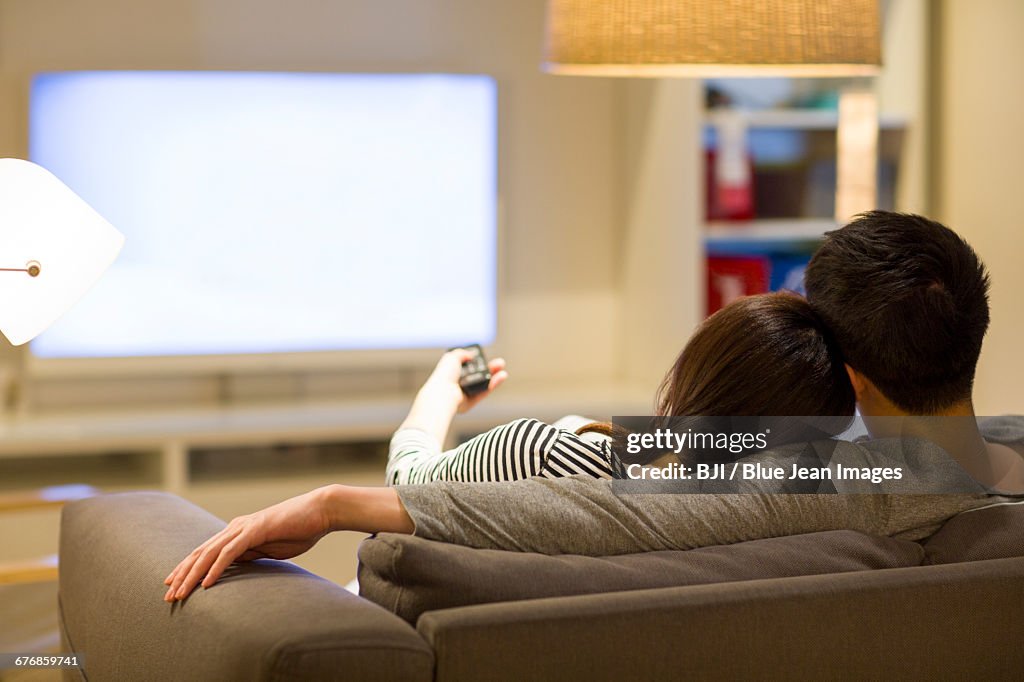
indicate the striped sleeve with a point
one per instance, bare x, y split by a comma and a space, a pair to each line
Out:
521, 449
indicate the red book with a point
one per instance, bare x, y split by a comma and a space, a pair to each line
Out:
730, 170
725, 200
734, 277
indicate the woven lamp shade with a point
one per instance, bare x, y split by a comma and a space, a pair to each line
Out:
701, 38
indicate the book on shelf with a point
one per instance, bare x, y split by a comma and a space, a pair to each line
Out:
732, 277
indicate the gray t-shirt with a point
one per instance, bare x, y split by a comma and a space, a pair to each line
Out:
582, 515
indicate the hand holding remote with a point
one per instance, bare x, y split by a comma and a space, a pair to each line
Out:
465, 377
441, 396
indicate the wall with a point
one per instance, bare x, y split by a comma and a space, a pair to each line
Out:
981, 148
661, 268
902, 90
559, 171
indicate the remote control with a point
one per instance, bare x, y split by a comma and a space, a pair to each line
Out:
476, 377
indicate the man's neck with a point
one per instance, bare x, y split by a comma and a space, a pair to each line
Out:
954, 429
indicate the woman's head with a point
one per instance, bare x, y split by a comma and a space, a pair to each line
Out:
765, 355
761, 356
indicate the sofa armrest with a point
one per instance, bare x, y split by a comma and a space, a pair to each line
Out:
927, 622
266, 620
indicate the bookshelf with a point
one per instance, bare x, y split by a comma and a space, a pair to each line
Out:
790, 154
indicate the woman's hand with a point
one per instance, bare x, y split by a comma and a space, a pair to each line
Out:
278, 532
443, 383
441, 396
289, 529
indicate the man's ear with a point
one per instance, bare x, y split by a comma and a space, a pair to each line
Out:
860, 383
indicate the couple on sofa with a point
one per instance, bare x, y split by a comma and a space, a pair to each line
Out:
896, 312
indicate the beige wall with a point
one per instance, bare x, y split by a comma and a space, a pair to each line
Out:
559, 171
981, 152
661, 265
903, 91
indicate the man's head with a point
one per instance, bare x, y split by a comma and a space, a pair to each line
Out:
907, 300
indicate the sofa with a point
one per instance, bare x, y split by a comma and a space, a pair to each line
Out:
835, 605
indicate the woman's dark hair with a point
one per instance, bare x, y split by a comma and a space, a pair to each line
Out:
907, 299
759, 356
767, 355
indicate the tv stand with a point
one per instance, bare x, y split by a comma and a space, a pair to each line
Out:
163, 439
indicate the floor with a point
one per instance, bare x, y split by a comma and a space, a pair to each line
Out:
29, 624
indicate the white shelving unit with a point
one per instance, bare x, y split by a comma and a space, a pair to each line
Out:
792, 150
782, 230
777, 234
798, 119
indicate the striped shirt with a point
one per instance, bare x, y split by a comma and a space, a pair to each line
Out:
524, 448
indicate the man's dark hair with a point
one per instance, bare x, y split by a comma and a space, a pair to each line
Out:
907, 301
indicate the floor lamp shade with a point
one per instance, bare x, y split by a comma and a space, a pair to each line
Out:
705, 38
53, 248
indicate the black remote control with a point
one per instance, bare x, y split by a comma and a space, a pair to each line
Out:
476, 376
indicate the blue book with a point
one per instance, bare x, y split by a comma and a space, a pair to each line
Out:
787, 273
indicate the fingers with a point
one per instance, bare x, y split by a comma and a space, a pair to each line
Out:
231, 551
219, 551
450, 364
460, 355
497, 379
185, 564
454, 358
496, 365
190, 574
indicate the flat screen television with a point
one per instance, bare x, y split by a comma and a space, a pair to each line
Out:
271, 214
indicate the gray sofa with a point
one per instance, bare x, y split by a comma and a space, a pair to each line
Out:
836, 605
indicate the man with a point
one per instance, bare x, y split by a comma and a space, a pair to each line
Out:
907, 300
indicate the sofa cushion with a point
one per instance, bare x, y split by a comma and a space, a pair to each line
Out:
410, 575
995, 532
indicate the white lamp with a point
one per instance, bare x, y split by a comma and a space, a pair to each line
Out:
53, 248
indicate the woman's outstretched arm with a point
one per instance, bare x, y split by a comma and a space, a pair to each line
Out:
288, 529
292, 527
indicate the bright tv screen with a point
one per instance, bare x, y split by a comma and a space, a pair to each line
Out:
274, 212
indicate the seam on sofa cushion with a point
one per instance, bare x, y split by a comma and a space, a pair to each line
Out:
67, 635
989, 506
396, 579
386, 572
993, 533
282, 661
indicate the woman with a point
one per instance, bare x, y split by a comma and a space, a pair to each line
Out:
765, 355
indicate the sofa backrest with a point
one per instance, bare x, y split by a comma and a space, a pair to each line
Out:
410, 576
950, 622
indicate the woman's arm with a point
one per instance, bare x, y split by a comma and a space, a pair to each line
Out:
416, 451
520, 449
288, 529
292, 527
